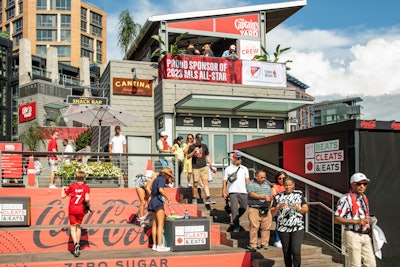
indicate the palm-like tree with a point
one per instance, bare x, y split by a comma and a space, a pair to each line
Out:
174, 48
278, 52
128, 31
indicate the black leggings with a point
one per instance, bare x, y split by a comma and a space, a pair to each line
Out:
291, 246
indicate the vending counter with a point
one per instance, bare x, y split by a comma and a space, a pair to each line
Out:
187, 234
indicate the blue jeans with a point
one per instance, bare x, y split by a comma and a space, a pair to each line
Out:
164, 163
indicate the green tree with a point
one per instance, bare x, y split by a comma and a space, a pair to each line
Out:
127, 31
83, 140
278, 52
32, 136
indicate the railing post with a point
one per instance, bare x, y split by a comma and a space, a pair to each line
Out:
307, 195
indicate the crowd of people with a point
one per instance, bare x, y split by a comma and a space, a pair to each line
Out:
264, 202
206, 51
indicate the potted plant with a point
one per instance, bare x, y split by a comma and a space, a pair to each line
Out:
99, 173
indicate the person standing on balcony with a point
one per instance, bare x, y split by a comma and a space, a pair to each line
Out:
199, 154
260, 218
236, 177
292, 206
117, 145
230, 53
163, 148
78, 193
192, 51
353, 212
52, 146
207, 52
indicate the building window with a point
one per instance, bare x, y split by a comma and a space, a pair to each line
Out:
60, 5
95, 18
83, 26
99, 58
10, 13
83, 14
87, 53
46, 35
41, 50
86, 42
65, 36
41, 4
18, 25
65, 21
48, 21
64, 51
96, 31
10, 2
16, 39
20, 7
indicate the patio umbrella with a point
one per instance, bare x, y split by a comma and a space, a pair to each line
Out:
99, 115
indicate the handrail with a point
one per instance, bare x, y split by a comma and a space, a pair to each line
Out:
320, 215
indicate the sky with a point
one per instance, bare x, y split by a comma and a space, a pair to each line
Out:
339, 48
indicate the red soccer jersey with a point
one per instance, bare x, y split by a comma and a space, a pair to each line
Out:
77, 192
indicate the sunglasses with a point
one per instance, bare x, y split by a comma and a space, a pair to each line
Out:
363, 183
281, 178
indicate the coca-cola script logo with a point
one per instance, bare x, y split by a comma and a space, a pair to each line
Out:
395, 125
368, 124
247, 27
110, 236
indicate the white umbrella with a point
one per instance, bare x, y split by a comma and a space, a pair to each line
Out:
99, 115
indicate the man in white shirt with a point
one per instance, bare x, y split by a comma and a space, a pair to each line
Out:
117, 145
68, 148
235, 188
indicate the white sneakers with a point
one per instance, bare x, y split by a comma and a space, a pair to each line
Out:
52, 186
278, 244
161, 248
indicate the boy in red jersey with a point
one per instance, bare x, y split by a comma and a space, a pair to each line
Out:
78, 192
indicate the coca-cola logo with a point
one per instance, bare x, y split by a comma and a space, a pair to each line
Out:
395, 125
368, 124
55, 214
247, 27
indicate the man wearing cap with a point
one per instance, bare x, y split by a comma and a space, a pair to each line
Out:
117, 145
163, 148
199, 154
236, 177
353, 212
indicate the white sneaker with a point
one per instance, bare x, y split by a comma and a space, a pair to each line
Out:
52, 186
201, 185
154, 247
189, 185
163, 249
278, 244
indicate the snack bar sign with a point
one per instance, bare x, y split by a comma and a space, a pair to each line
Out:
14, 211
323, 157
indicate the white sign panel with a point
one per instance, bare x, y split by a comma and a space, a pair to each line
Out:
248, 49
323, 157
263, 73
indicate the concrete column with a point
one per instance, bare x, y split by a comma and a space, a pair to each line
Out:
84, 75
52, 63
25, 61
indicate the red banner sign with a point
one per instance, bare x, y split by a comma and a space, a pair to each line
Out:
11, 164
199, 68
244, 25
27, 112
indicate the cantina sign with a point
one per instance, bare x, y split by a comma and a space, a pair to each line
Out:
123, 86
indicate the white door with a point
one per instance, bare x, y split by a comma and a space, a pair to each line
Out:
137, 165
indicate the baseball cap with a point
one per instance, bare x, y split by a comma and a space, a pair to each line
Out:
168, 172
163, 133
358, 177
199, 136
179, 138
236, 155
